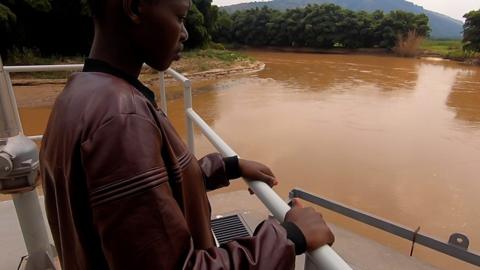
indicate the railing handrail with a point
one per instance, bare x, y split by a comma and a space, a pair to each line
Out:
39, 68
323, 258
77, 67
45, 68
388, 226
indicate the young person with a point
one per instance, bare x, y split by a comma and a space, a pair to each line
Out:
122, 191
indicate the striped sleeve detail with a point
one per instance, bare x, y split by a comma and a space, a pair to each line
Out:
183, 162
134, 185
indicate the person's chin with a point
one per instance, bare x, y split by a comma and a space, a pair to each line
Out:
160, 66
177, 56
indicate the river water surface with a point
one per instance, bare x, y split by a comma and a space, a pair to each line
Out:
399, 138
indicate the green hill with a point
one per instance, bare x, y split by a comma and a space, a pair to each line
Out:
443, 27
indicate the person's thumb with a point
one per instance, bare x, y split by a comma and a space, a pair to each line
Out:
296, 203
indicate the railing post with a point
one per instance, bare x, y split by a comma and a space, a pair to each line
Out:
13, 100
29, 213
309, 265
189, 123
163, 94
9, 120
18, 172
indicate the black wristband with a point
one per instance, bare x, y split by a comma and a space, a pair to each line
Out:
296, 236
232, 167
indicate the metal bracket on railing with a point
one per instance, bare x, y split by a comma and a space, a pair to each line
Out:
18, 165
414, 238
459, 240
452, 249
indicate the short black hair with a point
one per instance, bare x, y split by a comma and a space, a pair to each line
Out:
96, 6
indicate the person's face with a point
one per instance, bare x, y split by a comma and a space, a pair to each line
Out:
161, 31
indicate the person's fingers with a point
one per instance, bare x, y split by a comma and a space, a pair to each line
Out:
267, 171
331, 239
296, 203
267, 179
272, 181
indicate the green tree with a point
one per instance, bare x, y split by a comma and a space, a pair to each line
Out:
8, 9
295, 25
322, 26
399, 23
197, 32
209, 12
355, 30
250, 26
222, 31
11, 14
7, 18
471, 31
277, 26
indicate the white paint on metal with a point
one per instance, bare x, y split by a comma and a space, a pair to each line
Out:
177, 76
324, 257
37, 68
36, 138
189, 123
163, 93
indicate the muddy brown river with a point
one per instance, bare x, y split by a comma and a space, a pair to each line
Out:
398, 138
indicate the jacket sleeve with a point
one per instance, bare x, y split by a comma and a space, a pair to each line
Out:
214, 171
218, 171
139, 223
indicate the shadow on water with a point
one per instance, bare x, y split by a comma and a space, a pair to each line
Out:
464, 98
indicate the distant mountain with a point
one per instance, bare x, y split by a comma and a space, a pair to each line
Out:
442, 26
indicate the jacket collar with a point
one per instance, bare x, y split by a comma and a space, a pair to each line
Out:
94, 65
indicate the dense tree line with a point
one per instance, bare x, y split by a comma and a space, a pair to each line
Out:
318, 26
471, 31
65, 27
50, 26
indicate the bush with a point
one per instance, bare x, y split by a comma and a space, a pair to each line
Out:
407, 46
216, 46
471, 31
25, 56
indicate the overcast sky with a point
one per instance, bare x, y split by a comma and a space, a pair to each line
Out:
452, 8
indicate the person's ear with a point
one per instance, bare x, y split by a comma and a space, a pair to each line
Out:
132, 10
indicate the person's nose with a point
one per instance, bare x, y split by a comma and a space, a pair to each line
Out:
184, 34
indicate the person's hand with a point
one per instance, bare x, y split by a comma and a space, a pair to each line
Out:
312, 225
255, 171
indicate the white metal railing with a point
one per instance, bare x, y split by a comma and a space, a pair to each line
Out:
72, 67
324, 258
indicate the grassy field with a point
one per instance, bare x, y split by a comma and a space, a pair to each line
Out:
446, 48
207, 59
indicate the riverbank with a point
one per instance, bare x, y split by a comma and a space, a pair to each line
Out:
192, 62
41, 89
368, 51
446, 49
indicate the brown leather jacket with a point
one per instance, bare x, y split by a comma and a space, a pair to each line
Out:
122, 191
